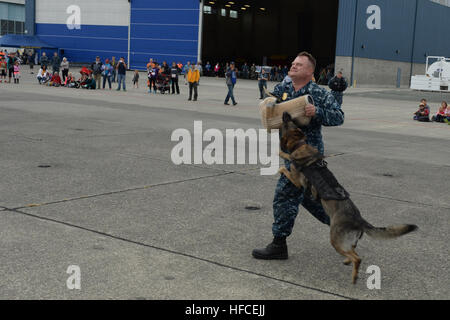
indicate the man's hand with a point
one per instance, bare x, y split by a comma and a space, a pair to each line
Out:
310, 111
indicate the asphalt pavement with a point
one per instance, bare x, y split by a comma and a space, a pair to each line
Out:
88, 181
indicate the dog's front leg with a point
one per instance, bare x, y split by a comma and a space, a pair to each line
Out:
285, 156
288, 175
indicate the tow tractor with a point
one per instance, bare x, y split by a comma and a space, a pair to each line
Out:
436, 78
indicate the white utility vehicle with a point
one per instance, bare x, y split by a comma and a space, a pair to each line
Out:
436, 78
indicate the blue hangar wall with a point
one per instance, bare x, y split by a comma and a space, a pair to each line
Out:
390, 38
165, 30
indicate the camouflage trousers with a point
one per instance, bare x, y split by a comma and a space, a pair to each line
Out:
339, 96
286, 204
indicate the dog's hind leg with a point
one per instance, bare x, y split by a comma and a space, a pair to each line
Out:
352, 257
347, 261
356, 264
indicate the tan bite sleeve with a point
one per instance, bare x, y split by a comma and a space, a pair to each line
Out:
272, 113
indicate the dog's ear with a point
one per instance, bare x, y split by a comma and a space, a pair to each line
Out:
287, 117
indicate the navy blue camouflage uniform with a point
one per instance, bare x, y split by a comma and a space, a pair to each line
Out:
287, 196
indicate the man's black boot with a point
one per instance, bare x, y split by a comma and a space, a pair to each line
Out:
277, 250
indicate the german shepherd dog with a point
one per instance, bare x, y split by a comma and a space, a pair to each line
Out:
347, 226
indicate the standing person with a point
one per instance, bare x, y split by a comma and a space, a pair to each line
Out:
10, 63
107, 73
3, 68
56, 62
231, 78
193, 77
245, 71
174, 72
16, 72
152, 76
200, 68
136, 79
65, 68
121, 73
44, 60
186, 69
166, 68
96, 68
262, 82
216, 70
114, 72
253, 72
338, 85
326, 112
31, 62
208, 69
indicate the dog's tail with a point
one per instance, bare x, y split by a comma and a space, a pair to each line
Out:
389, 232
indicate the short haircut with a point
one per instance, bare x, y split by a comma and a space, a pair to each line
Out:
311, 59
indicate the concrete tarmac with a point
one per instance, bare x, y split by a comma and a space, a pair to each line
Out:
87, 180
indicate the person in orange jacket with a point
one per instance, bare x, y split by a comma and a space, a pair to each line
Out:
193, 78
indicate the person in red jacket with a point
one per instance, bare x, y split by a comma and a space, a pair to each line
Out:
55, 81
423, 114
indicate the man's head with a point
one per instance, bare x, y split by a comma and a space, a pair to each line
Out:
424, 101
339, 74
97, 58
303, 67
55, 54
44, 54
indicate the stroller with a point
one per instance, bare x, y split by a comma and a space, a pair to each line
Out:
163, 83
85, 72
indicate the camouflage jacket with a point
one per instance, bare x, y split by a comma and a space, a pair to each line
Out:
328, 111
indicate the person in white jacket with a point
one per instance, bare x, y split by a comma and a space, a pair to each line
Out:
43, 76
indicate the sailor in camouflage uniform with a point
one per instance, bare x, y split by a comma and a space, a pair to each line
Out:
325, 112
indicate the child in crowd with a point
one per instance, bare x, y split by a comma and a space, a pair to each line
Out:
447, 115
440, 115
423, 114
16, 72
90, 83
2, 69
136, 79
70, 81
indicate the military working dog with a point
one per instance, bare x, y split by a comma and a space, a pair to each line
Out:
309, 171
